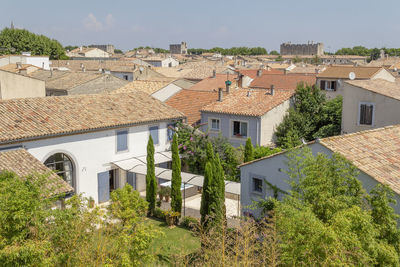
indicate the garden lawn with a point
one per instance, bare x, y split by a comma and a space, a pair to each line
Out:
177, 240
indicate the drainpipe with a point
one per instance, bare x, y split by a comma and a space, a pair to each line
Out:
258, 131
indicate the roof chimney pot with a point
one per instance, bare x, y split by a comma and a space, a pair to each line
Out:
220, 94
259, 73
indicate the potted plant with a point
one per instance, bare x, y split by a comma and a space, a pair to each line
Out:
160, 193
167, 193
91, 202
171, 217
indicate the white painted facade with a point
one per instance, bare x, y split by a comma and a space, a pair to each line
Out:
274, 171
92, 153
164, 62
14, 85
386, 109
38, 61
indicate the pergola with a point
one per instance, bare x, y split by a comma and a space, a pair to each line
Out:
138, 165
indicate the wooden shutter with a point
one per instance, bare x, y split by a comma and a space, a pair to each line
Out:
333, 86
122, 140
362, 113
323, 85
103, 185
368, 114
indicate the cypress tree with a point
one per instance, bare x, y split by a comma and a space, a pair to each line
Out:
217, 195
151, 183
248, 151
205, 198
176, 196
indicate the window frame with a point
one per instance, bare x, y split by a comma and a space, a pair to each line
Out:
359, 114
158, 133
210, 119
116, 140
173, 132
241, 137
253, 179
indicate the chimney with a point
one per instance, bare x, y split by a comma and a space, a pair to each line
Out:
51, 72
268, 68
284, 71
220, 93
259, 72
214, 73
248, 93
80, 49
19, 65
272, 89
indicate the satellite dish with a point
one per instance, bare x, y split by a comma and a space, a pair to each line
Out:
141, 69
352, 75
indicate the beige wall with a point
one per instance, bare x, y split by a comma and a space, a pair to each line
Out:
271, 120
385, 75
386, 111
13, 85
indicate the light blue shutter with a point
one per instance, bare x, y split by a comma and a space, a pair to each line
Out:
122, 140
103, 184
154, 134
131, 179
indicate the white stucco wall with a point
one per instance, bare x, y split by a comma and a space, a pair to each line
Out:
41, 62
246, 81
14, 85
386, 109
273, 170
271, 120
92, 153
385, 75
166, 92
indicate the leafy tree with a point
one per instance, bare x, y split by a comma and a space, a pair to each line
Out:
312, 116
176, 196
118, 51
274, 52
17, 41
324, 219
248, 151
263, 151
70, 47
151, 182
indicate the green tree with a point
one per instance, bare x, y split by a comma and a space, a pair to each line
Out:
312, 116
16, 41
274, 52
176, 196
248, 151
324, 219
205, 196
151, 182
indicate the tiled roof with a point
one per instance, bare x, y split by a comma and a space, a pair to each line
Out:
71, 79
14, 67
148, 87
375, 152
342, 72
253, 102
213, 83
252, 73
385, 62
24, 164
383, 87
33, 118
283, 81
96, 65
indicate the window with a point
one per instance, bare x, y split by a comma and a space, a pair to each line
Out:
126, 77
122, 140
215, 124
239, 129
257, 185
154, 134
328, 85
366, 113
62, 165
170, 131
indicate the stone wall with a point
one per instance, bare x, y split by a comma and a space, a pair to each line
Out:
302, 49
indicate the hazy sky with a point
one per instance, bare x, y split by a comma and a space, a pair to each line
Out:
206, 24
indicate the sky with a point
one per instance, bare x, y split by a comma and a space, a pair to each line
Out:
209, 23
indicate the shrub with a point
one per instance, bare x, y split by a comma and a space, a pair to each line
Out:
190, 222
159, 214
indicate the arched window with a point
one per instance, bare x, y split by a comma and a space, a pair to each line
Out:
62, 165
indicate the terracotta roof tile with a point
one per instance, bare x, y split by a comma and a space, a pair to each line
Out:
342, 72
283, 81
253, 102
375, 152
383, 87
32, 118
24, 164
252, 73
148, 87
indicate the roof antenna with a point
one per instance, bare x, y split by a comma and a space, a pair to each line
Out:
303, 141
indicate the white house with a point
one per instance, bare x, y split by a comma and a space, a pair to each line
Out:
376, 154
38, 61
369, 104
90, 52
81, 137
162, 62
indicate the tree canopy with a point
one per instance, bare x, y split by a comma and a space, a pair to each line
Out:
16, 41
233, 51
313, 116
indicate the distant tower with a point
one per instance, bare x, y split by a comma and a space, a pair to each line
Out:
12, 26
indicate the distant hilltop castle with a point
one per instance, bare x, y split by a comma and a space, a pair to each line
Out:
309, 49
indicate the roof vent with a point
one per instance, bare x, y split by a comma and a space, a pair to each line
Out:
259, 73
248, 93
220, 94
272, 89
